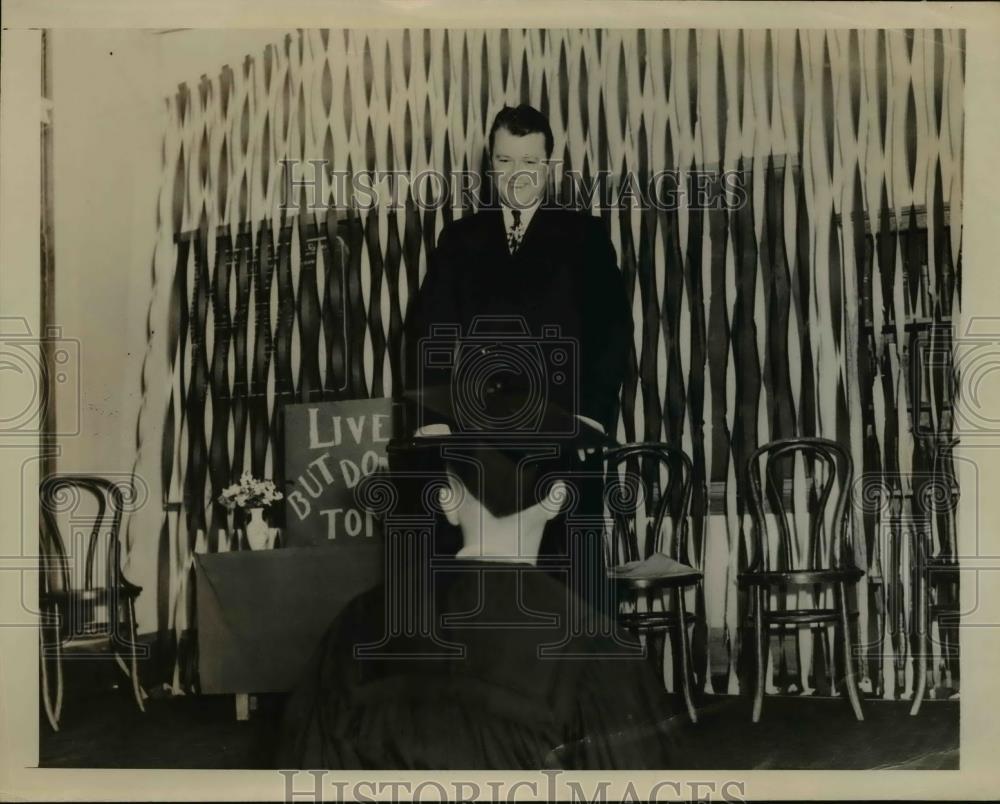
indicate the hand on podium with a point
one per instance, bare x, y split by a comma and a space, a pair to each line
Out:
439, 429
583, 452
442, 429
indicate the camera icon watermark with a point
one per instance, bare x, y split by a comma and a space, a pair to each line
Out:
500, 379
33, 369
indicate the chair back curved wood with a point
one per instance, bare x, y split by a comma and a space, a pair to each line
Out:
85, 599
825, 560
644, 466
62, 571
831, 465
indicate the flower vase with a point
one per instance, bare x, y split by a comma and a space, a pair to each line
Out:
257, 530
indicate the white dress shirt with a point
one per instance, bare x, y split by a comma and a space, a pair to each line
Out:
526, 215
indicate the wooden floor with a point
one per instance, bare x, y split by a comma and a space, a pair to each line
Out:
105, 730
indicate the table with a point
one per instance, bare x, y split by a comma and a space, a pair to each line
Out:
261, 614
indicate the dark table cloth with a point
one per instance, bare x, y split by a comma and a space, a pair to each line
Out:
262, 613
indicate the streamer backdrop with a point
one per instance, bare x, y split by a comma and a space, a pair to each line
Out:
803, 312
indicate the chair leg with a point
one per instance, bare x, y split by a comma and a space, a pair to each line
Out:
684, 648
57, 650
133, 653
946, 651
760, 649
850, 680
122, 666
118, 641
920, 682
50, 711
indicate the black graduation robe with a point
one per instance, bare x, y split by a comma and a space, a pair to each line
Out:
594, 703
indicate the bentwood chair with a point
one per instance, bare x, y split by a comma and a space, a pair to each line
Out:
87, 604
937, 576
824, 562
649, 574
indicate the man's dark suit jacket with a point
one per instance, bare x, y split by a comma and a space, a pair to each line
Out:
565, 274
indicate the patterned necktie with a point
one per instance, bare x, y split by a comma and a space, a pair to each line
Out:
515, 234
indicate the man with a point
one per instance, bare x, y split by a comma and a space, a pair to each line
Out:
503, 678
544, 273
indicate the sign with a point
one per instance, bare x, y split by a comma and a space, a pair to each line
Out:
329, 448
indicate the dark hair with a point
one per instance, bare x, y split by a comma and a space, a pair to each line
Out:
507, 481
521, 121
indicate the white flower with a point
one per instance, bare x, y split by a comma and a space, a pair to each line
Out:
250, 492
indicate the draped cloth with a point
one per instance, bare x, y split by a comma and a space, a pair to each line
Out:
513, 685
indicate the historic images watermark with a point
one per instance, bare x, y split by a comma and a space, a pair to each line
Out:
321, 785
317, 187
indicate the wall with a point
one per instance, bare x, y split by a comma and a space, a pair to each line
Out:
105, 146
108, 90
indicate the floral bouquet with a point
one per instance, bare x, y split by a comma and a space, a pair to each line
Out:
250, 493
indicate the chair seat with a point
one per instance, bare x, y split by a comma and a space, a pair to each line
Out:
782, 577
942, 561
127, 589
662, 582
657, 571
96, 642
942, 571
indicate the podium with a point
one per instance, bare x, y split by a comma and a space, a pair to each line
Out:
262, 614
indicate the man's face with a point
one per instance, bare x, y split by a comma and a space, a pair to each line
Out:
521, 167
